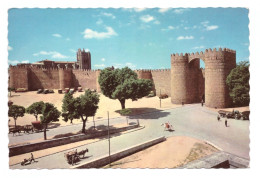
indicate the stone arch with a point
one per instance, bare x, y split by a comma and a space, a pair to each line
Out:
218, 65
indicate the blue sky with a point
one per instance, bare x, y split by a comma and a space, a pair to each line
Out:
138, 38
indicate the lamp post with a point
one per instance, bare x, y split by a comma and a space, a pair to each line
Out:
108, 139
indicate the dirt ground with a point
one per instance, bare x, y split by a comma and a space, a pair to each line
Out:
105, 104
174, 152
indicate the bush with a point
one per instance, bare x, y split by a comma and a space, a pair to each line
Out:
125, 112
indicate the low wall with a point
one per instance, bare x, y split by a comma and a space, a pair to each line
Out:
26, 148
104, 160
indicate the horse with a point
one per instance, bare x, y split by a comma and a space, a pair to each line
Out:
83, 152
167, 126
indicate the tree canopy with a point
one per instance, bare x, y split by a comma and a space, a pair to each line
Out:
49, 114
123, 84
238, 83
82, 107
16, 111
35, 109
69, 111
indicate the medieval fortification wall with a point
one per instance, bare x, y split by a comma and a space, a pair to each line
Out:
184, 76
185, 82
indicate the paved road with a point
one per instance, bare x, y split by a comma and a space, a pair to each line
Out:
24, 137
190, 120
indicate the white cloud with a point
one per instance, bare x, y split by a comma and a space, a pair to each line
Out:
198, 47
185, 38
52, 54
56, 35
157, 22
169, 28
211, 27
100, 21
99, 65
130, 65
68, 39
147, 18
89, 33
163, 10
204, 23
208, 27
180, 11
139, 9
14, 62
108, 15
26, 61
103, 59
202, 38
9, 48
186, 28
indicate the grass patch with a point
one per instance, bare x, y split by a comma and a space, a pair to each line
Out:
125, 112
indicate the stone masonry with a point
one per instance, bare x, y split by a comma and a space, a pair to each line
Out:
184, 82
185, 77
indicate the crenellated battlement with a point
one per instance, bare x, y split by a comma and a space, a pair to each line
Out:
208, 54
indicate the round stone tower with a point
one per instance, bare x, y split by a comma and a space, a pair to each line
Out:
179, 76
218, 65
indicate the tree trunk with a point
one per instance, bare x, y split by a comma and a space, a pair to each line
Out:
36, 118
71, 121
44, 131
14, 123
122, 101
84, 125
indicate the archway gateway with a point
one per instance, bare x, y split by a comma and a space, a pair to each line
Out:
186, 77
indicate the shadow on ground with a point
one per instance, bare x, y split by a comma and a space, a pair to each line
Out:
53, 125
147, 113
90, 130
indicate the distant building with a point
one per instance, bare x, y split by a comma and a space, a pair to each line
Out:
83, 62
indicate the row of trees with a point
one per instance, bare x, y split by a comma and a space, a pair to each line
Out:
82, 107
121, 84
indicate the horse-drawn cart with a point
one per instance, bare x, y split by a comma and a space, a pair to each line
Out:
73, 156
37, 126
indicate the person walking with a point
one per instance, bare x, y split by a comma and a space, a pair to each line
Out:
226, 122
32, 158
202, 102
218, 118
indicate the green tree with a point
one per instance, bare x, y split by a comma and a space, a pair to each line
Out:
16, 111
123, 84
69, 112
35, 109
49, 114
86, 105
238, 83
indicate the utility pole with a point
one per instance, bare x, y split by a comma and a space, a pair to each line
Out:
108, 139
94, 122
160, 99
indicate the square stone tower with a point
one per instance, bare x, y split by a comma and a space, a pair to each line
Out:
84, 59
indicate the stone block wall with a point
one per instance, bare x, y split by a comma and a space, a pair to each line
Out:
84, 78
18, 77
43, 78
162, 81
187, 80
